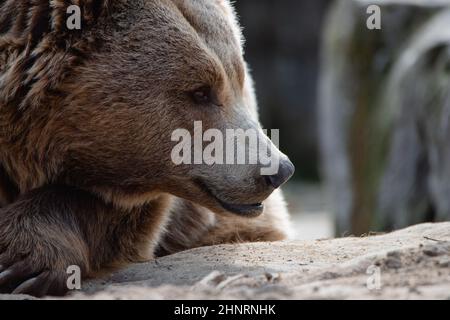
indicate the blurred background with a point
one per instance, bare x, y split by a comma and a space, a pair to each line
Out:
364, 114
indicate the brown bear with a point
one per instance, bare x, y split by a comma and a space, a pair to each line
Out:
86, 117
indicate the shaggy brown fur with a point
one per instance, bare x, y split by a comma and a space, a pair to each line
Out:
85, 122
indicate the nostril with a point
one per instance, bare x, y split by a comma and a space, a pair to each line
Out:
285, 172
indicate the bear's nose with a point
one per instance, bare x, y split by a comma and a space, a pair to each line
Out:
285, 172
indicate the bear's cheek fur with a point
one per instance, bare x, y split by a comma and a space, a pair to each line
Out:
108, 132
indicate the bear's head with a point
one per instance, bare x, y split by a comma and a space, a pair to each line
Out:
99, 108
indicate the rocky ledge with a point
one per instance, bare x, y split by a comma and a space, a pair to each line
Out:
413, 263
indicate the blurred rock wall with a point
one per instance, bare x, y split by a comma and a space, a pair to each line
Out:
282, 49
385, 114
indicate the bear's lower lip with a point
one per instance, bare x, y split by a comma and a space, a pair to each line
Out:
247, 210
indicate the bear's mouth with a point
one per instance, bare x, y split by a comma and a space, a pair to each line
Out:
247, 210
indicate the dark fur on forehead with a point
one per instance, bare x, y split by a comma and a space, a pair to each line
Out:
37, 50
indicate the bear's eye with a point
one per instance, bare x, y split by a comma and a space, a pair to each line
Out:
203, 95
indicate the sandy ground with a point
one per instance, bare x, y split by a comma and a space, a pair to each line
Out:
409, 264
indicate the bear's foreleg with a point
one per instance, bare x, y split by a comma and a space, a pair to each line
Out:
40, 238
50, 229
